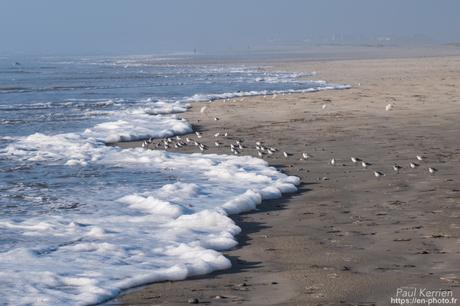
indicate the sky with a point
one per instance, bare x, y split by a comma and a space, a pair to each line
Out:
155, 26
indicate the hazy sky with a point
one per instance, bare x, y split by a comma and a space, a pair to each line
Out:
148, 26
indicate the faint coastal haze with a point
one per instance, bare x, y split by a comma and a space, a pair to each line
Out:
142, 26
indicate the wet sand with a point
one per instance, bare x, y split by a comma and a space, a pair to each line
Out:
346, 237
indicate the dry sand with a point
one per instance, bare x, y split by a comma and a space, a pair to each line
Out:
347, 237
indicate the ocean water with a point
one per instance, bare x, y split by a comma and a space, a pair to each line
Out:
81, 221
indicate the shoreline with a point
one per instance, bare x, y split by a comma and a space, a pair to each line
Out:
335, 241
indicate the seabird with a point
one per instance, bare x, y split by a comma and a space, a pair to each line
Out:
217, 143
396, 168
364, 164
432, 170
285, 154
216, 118
388, 107
324, 106
378, 174
203, 109
419, 157
413, 165
333, 161
226, 134
198, 134
355, 159
260, 154
216, 134
305, 156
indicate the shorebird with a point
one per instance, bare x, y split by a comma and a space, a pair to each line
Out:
236, 152
260, 154
324, 106
258, 143
432, 170
332, 161
413, 165
217, 143
216, 118
198, 134
419, 157
305, 156
216, 134
187, 139
378, 174
355, 159
396, 168
226, 134
364, 164
388, 107
203, 109
285, 154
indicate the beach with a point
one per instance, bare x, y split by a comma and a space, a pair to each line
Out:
346, 237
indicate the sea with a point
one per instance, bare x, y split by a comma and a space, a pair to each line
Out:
82, 221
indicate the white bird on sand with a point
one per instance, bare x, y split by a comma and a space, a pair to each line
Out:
203, 109
413, 165
432, 170
388, 107
216, 118
260, 154
355, 159
378, 174
304, 155
187, 139
226, 134
217, 143
333, 161
198, 134
285, 154
396, 168
364, 164
216, 134
324, 106
419, 157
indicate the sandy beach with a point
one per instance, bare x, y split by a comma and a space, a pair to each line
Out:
347, 237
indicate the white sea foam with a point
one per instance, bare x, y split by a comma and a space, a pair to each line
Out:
130, 126
167, 233
320, 85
